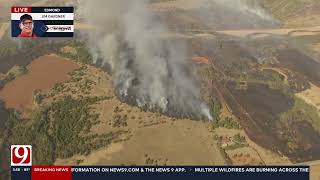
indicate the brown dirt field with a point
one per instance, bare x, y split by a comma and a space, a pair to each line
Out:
244, 156
315, 172
311, 96
314, 169
43, 74
303, 21
314, 51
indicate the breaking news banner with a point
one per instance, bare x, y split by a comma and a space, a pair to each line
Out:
33, 22
22, 169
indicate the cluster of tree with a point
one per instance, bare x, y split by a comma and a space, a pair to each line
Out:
9, 77
224, 154
23, 69
216, 109
228, 123
59, 130
6, 132
8, 47
120, 121
239, 139
239, 142
82, 55
38, 96
267, 76
86, 86
235, 146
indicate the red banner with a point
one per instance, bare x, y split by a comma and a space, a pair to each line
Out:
21, 9
51, 172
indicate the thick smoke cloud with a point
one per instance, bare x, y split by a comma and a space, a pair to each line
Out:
149, 71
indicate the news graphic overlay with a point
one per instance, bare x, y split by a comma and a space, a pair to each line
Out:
21, 155
161, 172
33, 22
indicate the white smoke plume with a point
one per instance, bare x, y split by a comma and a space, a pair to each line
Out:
151, 72
245, 6
232, 14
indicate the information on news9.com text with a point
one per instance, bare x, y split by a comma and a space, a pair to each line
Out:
156, 172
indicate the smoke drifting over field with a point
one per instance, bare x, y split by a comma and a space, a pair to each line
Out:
246, 6
234, 14
147, 70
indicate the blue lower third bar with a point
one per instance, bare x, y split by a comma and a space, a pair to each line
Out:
21, 173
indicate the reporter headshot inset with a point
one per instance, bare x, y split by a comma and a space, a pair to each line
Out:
26, 25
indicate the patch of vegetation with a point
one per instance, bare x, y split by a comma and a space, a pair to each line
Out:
267, 76
23, 70
10, 77
59, 130
78, 84
58, 88
82, 56
224, 154
117, 110
238, 68
120, 121
228, 123
239, 142
155, 162
216, 108
235, 146
8, 47
302, 111
38, 96
292, 144
239, 139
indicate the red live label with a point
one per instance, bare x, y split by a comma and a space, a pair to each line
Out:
21, 9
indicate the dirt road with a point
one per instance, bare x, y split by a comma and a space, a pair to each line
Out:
281, 31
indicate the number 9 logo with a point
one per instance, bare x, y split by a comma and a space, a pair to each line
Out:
21, 155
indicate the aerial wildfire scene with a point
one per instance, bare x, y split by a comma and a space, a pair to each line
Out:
166, 82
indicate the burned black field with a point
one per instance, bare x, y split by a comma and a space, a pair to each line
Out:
299, 62
259, 108
261, 103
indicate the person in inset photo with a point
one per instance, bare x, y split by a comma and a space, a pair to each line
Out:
26, 25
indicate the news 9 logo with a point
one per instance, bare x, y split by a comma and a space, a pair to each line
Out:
21, 155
